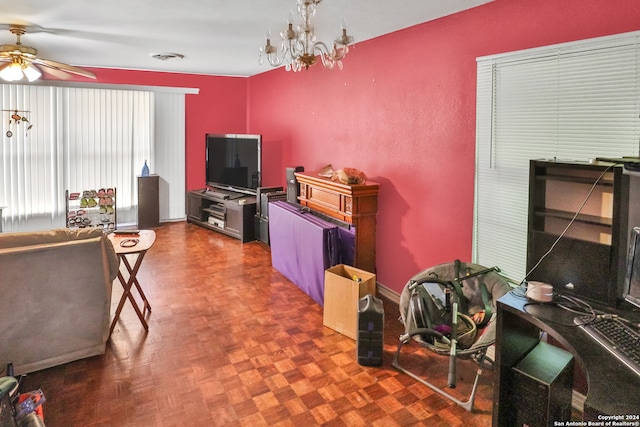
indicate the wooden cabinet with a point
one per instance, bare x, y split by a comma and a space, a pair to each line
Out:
223, 211
148, 201
356, 204
589, 261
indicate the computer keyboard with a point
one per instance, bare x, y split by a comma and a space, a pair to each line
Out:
615, 336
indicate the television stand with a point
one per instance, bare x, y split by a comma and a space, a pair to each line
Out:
224, 211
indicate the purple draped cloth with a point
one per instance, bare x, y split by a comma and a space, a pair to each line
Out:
303, 246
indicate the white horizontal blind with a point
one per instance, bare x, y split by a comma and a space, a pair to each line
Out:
574, 101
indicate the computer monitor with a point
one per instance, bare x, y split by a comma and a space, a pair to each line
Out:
632, 277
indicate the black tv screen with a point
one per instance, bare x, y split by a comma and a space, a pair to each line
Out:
234, 161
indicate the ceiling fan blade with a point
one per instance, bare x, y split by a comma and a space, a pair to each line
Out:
54, 72
64, 67
80, 34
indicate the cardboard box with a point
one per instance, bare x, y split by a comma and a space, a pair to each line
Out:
341, 295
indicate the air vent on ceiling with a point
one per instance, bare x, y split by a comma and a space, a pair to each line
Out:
167, 56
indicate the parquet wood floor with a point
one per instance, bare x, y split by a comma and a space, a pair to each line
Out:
232, 342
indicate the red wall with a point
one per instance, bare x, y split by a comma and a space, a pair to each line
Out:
402, 111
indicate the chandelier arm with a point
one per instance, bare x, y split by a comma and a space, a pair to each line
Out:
330, 57
274, 60
295, 48
323, 52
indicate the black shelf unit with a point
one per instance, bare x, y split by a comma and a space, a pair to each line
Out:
589, 261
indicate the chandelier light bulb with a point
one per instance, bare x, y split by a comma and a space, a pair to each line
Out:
290, 33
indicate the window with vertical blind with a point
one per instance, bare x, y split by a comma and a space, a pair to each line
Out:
81, 139
573, 101
85, 138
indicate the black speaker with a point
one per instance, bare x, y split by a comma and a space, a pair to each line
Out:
293, 188
148, 201
370, 337
261, 225
541, 386
261, 209
261, 228
266, 198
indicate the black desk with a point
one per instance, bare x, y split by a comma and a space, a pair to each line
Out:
613, 389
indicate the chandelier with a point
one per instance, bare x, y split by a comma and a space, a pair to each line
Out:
300, 47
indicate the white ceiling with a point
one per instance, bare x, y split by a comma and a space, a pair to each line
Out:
217, 37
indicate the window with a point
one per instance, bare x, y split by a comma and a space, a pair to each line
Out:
574, 101
80, 139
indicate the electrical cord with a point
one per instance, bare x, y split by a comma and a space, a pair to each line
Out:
584, 311
520, 291
575, 306
129, 243
546, 319
581, 308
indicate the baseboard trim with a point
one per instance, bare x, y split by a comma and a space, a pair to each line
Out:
388, 293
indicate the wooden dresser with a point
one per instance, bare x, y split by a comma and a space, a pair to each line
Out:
356, 204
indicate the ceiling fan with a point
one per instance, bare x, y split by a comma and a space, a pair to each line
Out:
23, 61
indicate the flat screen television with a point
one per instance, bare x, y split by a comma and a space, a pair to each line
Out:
234, 162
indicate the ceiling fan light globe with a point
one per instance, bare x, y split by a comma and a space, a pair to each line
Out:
32, 73
12, 72
24, 60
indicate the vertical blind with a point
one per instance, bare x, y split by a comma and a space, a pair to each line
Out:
574, 101
80, 139
168, 153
